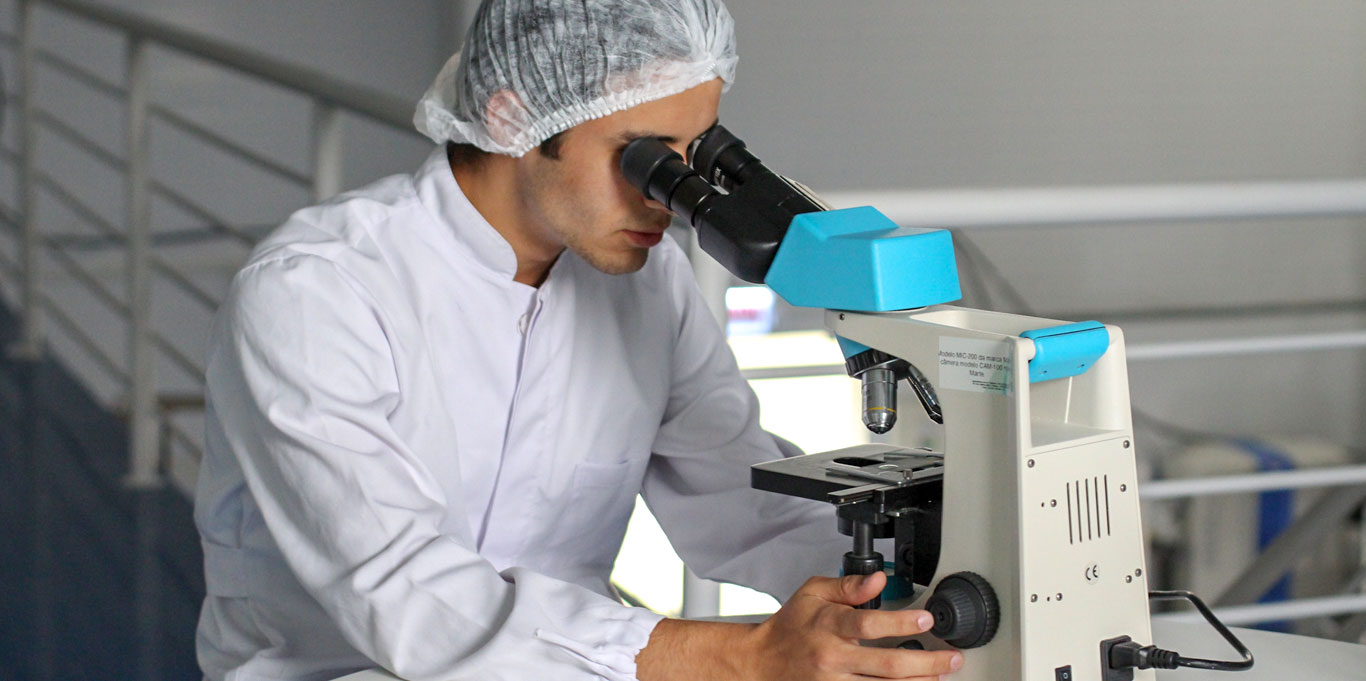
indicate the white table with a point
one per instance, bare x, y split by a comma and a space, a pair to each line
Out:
1280, 657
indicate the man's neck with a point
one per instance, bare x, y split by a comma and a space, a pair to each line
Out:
492, 188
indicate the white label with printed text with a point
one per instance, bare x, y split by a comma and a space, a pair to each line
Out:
974, 365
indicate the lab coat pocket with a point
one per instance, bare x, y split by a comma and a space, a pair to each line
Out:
601, 499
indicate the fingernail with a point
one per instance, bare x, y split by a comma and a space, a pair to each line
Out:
956, 662
926, 621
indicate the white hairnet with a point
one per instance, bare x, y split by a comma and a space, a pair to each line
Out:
533, 68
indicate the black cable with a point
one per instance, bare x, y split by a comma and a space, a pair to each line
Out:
1126, 654
1200, 663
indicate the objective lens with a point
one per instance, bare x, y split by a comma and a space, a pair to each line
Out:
879, 399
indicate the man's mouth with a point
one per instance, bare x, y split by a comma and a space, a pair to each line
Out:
644, 239
650, 238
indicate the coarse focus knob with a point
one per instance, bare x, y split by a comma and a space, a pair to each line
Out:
966, 613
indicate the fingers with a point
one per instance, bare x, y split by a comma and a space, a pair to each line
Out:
872, 624
837, 617
849, 590
893, 663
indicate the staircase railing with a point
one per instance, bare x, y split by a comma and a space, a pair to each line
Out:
147, 411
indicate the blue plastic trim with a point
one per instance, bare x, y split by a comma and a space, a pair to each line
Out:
1067, 350
1275, 511
858, 259
851, 348
897, 587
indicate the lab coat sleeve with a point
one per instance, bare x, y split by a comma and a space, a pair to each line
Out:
304, 379
697, 483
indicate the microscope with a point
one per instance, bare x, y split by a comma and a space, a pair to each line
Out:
1023, 538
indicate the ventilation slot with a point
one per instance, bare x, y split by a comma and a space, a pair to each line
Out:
1088, 509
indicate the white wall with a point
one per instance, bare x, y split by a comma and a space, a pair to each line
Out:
895, 94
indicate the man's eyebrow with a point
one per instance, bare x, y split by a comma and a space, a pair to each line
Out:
633, 135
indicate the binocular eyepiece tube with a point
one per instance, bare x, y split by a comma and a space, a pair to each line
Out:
660, 174
722, 159
740, 209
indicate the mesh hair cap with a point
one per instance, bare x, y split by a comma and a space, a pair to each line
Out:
534, 68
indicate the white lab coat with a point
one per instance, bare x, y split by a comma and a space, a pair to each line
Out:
415, 462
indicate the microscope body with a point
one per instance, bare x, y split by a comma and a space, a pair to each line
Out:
1040, 491
1030, 517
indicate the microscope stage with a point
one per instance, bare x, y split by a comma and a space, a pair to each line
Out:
853, 474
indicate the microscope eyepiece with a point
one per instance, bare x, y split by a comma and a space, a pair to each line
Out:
741, 227
722, 158
644, 157
660, 173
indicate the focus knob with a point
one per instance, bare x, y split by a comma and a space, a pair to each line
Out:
966, 613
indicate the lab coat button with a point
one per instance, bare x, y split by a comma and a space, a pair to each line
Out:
522, 323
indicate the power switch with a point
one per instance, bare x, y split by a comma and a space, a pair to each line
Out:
1063, 673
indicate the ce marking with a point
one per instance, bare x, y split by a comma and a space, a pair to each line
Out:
1092, 573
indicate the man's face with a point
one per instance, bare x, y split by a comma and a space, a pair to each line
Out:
582, 201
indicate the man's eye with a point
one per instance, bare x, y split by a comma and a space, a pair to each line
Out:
621, 149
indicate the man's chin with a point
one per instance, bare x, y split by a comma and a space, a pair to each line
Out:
617, 263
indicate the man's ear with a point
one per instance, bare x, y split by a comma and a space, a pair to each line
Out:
505, 117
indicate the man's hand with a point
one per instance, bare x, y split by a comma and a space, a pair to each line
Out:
814, 637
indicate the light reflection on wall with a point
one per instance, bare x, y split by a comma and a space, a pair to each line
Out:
817, 413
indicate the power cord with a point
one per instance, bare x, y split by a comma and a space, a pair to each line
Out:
1119, 656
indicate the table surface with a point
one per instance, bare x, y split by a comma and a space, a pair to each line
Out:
1279, 656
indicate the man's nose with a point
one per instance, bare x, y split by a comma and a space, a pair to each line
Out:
680, 148
655, 205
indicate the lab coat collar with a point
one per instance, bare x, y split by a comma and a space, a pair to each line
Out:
441, 194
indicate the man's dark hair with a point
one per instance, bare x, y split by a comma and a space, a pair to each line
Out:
550, 148
469, 156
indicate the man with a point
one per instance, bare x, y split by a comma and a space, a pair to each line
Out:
433, 401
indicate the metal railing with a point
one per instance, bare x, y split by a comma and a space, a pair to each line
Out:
153, 429
1013, 208
136, 373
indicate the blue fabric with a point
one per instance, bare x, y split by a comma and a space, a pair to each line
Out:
100, 581
1276, 510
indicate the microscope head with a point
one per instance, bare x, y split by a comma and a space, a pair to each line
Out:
740, 209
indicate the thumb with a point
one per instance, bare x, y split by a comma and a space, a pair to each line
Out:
848, 590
